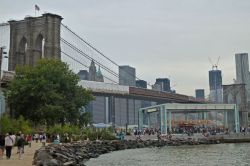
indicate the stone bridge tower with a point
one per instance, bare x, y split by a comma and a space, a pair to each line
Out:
34, 38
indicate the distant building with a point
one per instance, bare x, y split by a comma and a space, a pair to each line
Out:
215, 85
200, 94
95, 75
119, 110
164, 84
242, 71
141, 84
92, 71
127, 75
99, 76
83, 74
156, 87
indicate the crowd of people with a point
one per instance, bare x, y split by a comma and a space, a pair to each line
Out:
8, 141
199, 129
206, 131
146, 131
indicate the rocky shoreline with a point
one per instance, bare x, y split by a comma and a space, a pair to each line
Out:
77, 153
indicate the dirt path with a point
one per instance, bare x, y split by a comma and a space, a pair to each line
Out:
27, 157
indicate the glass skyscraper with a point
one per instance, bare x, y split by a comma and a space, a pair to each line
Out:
215, 86
127, 76
164, 83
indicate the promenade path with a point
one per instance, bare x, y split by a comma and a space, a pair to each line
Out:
27, 157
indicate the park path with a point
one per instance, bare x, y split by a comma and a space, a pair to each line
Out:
27, 157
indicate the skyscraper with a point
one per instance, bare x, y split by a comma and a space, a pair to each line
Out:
95, 75
156, 87
200, 94
242, 71
141, 84
83, 74
242, 68
127, 75
92, 71
164, 83
99, 76
215, 85
215, 79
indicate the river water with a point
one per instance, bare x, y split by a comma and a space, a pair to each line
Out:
199, 155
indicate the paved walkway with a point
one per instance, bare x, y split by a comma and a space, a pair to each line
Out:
27, 157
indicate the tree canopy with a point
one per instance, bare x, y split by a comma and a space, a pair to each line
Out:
47, 93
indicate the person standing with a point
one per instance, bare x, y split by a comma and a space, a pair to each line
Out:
2, 144
9, 142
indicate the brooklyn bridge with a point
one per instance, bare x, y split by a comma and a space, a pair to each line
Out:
24, 42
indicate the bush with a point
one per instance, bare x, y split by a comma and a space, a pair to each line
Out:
94, 134
14, 125
62, 130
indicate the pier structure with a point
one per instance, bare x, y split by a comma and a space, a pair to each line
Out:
164, 114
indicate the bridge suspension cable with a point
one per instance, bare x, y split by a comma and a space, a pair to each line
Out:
99, 52
85, 65
88, 57
89, 44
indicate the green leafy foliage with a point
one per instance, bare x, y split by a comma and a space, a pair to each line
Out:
62, 130
47, 93
94, 134
77, 133
85, 119
14, 125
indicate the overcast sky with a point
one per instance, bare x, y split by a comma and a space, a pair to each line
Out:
160, 38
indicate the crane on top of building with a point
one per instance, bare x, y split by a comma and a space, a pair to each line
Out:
214, 66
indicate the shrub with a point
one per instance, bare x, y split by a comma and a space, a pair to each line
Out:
94, 134
14, 125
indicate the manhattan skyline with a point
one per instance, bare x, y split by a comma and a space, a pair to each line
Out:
160, 38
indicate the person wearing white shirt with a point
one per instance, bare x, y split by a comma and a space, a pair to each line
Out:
9, 143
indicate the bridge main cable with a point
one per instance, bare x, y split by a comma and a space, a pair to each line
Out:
86, 66
88, 44
88, 57
98, 50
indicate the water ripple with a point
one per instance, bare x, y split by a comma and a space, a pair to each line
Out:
201, 155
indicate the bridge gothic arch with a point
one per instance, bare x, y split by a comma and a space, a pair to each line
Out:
39, 48
22, 50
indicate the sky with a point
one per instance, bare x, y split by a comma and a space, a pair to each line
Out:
160, 38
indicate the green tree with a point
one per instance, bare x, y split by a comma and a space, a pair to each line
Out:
85, 119
47, 93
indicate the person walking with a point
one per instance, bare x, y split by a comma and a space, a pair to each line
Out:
2, 144
9, 142
29, 140
44, 139
20, 145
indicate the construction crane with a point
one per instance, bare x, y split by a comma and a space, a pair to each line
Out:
214, 66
